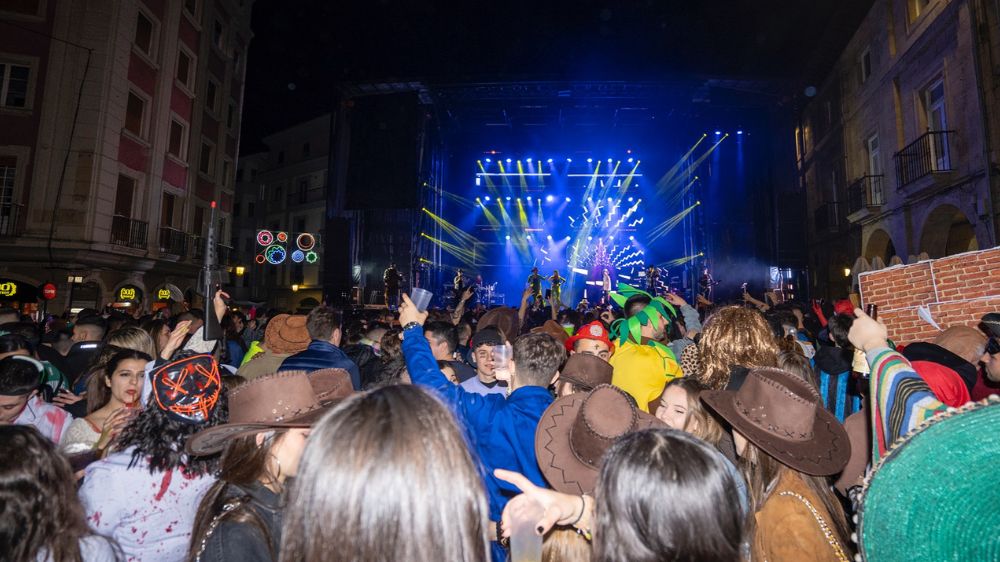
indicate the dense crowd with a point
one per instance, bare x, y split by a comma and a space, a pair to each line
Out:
645, 431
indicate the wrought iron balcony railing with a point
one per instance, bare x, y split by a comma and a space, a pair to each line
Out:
864, 193
129, 232
930, 153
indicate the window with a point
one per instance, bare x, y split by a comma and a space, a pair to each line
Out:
8, 173
205, 163
191, 7
219, 35
231, 115
833, 187
177, 144
135, 110
281, 157
167, 210
184, 69
211, 95
917, 8
251, 211
932, 99
866, 65
145, 31
198, 226
23, 7
306, 149
14, 85
303, 190
123, 196
226, 181
874, 156
277, 193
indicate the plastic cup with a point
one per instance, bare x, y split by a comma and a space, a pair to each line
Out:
421, 298
501, 357
525, 543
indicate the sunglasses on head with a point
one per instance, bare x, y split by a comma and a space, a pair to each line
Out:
993, 346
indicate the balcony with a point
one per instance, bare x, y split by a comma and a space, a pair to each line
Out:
128, 232
11, 220
865, 193
223, 254
826, 218
173, 241
928, 154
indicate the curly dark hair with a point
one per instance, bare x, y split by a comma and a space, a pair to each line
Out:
39, 508
161, 439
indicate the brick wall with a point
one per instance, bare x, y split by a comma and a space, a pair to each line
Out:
957, 289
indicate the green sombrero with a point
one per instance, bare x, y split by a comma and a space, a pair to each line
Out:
935, 495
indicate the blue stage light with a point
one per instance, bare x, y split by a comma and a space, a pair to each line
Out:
549, 237
549, 160
629, 199
630, 160
590, 160
487, 198
508, 237
550, 198
529, 198
508, 197
567, 238
589, 238
529, 160
716, 132
509, 160
568, 199
610, 160
488, 160
631, 237
739, 132
569, 159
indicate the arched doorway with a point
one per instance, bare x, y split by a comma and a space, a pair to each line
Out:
947, 231
879, 246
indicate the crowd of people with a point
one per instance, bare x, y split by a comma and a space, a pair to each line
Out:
643, 431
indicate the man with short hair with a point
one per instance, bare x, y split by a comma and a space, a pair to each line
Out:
20, 403
991, 355
324, 325
90, 328
88, 333
485, 382
502, 430
591, 339
443, 337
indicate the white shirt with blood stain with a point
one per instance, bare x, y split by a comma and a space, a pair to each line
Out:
150, 515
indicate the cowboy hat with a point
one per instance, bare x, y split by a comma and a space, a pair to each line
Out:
783, 415
282, 400
286, 334
586, 371
934, 495
575, 431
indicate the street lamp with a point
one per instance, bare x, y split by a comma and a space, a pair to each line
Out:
240, 270
295, 287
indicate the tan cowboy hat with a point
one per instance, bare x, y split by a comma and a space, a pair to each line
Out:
575, 431
287, 334
783, 415
282, 400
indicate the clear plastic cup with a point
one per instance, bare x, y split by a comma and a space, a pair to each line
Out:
421, 298
525, 543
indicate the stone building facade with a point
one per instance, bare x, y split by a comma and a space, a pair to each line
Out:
120, 125
894, 150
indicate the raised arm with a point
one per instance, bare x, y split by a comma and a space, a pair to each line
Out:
901, 399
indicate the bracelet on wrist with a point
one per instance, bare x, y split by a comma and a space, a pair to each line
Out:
411, 325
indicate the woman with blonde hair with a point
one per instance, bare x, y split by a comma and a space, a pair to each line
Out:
735, 336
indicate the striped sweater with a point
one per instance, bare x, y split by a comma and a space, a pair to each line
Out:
901, 398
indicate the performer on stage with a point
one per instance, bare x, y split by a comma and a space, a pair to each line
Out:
391, 278
535, 283
606, 286
556, 282
458, 285
706, 284
652, 279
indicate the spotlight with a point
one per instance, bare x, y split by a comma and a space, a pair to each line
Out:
697, 202
631, 237
740, 132
508, 197
609, 160
488, 160
610, 200
549, 237
589, 160
568, 199
590, 199
567, 238
518, 199
550, 198
528, 160
716, 132
630, 160
529, 198
569, 159
630, 199
487, 198
477, 199
549, 160
507, 237
589, 238
509, 160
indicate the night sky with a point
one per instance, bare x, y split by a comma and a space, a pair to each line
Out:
303, 48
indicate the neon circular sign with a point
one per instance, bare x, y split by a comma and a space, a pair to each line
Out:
305, 241
275, 254
265, 237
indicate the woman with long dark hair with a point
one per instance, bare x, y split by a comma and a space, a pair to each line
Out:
111, 400
387, 475
240, 517
146, 493
661, 495
40, 515
788, 446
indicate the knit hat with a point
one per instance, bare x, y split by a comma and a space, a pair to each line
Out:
934, 496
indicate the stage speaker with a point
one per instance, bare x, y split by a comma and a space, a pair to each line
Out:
337, 280
383, 166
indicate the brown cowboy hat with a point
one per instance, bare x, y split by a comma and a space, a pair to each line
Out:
782, 414
575, 431
552, 328
286, 334
282, 400
586, 371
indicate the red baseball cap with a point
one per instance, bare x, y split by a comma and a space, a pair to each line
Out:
593, 331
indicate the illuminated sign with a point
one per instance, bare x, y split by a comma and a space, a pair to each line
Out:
129, 293
163, 294
8, 289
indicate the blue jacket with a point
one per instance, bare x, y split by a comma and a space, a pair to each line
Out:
322, 355
502, 431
